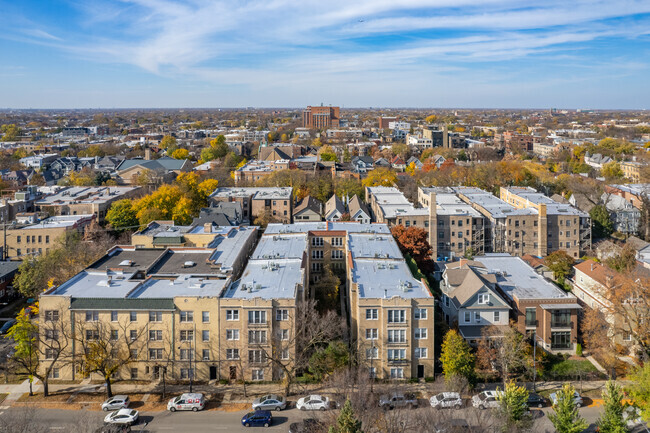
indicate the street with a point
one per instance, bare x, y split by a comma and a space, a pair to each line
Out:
209, 421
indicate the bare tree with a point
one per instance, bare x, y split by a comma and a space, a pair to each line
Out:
107, 348
311, 330
504, 350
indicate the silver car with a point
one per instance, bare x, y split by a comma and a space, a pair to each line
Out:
116, 402
270, 402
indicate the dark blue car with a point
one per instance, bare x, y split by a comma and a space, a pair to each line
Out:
258, 418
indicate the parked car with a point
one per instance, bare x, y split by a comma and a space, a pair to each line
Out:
308, 425
313, 402
257, 419
535, 400
193, 401
116, 402
398, 400
577, 399
486, 399
8, 324
122, 416
446, 399
270, 402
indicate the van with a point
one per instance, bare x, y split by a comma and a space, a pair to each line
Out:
189, 401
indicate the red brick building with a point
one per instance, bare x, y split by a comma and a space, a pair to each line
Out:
320, 117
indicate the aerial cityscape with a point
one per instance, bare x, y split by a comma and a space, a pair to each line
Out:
418, 216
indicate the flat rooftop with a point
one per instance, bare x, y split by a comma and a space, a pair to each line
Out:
55, 222
268, 279
285, 246
257, 193
127, 258
350, 227
518, 280
393, 204
86, 194
183, 285
97, 284
161, 229
184, 261
552, 207
366, 245
385, 279
496, 207
229, 247
450, 204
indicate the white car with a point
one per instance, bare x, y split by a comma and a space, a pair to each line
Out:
313, 402
446, 399
486, 399
577, 400
122, 416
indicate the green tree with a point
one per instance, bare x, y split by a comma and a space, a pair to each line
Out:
456, 357
612, 170
601, 224
613, 420
347, 421
640, 389
168, 141
220, 146
122, 216
326, 361
513, 408
624, 261
347, 157
326, 153
10, 132
560, 262
25, 335
566, 418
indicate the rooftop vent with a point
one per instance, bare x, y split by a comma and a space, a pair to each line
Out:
189, 264
126, 263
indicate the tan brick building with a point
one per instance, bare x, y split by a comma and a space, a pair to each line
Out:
276, 202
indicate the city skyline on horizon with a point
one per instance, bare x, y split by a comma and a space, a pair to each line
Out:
465, 54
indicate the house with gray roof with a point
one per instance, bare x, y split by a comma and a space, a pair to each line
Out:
334, 209
164, 168
359, 211
308, 209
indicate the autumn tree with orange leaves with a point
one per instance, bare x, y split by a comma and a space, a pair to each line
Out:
414, 241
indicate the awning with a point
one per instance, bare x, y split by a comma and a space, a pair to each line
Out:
561, 306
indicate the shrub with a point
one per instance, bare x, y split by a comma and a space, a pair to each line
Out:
579, 349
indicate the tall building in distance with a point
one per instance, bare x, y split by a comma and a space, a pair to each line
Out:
320, 117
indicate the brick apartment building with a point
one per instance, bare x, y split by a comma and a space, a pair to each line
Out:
320, 117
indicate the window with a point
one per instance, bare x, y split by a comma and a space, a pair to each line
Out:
561, 319
206, 354
186, 373
316, 242
92, 334
285, 353
187, 355
372, 333
396, 316
133, 316
256, 356
531, 317
256, 337
92, 316
134, 373
396, 354
446, 300
257, 317
317, 254
483, 298
155, 354
232, 334
627, 337
397, 335
18, 239
560, 340
371, 314
54, 373
133, 334
316, 267
337, 242
420, 314
467, 316
50, 353
284, 334
113, 316
337, 254
257, 374
51, 315
39, 239
232, 314
497, 317
420, 333
133, 353
187, 335
51, 334
155, 316
477, 316
420, 352
187, 316
114, 334
372, 353
205, 335
47, 239
232, 354
155, 335
281, 315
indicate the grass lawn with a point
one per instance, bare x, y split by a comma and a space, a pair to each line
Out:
558, 368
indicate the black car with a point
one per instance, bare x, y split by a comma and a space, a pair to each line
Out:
308, 425
535, 400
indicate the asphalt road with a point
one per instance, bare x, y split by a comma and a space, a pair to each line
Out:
209, 421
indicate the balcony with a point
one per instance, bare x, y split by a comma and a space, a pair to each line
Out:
561, 324
398, 361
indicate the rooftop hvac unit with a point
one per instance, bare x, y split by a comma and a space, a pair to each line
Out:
126, 263
188, 264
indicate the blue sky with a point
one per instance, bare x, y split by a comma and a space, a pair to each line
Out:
352, 53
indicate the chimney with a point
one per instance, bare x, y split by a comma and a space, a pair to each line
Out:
207, 227
592, 266
147, 154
